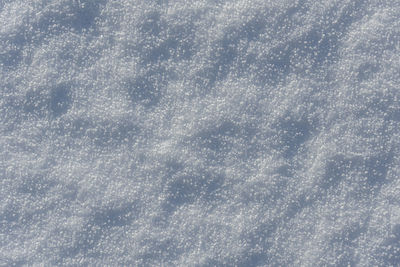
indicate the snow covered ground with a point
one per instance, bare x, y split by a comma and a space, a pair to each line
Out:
200, 133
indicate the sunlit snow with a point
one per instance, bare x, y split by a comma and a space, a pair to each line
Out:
200, 133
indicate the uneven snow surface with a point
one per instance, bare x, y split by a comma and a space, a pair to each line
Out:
200, 133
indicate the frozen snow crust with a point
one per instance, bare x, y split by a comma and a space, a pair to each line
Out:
200, 133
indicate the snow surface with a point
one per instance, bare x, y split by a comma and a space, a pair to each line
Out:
200, 133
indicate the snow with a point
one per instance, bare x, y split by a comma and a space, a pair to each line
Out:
200, 133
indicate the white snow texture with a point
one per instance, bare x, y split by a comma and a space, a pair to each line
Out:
200, 133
